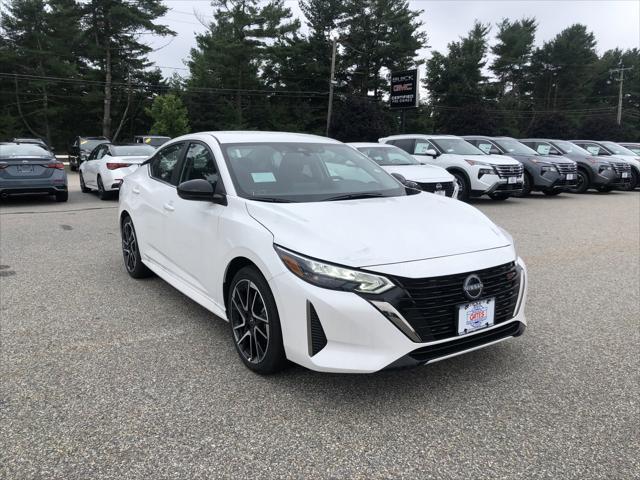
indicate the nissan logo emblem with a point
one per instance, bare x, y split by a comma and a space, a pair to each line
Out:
472, 287
438, 186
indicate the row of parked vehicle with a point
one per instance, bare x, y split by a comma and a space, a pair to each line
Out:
317, 255
459, 167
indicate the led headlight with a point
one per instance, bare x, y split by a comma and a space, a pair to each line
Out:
330, 276
604, 166
548, 168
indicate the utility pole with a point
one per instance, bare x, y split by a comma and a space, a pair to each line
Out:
620, 70
332, 82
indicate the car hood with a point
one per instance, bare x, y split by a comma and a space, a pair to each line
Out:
379, 231
630, 159
542, 158
420, 173
492, 159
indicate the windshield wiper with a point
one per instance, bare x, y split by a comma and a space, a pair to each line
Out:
271, 199
354, 196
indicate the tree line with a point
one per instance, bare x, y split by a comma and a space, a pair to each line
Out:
70, 67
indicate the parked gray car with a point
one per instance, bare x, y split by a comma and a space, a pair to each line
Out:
593, 172
544, 173
634, 147
26, 168
619, 156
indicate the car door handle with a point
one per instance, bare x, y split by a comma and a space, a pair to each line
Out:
168, 207
136, 190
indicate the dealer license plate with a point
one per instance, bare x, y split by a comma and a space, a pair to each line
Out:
475, 315
25, 168
512, 180
571, 176
625, 174
441, 192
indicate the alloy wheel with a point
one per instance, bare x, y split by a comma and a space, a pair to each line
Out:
250, 321
129, 245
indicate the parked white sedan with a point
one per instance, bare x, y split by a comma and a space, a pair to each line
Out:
403, 166
315, 254
108, 164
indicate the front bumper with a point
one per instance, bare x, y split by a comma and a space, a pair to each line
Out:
488, 184
554, 181
358, 338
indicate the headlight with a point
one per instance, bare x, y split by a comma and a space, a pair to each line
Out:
604, 166
326, 275
481, 164
548, 168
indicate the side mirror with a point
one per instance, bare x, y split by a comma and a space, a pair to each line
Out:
410, 186
431, 152
200, 190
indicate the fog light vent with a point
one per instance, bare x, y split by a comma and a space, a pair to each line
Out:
315, 333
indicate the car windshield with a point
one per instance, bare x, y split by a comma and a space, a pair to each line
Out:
456, 146
568, 147
388, 156
617, 149
23, 150
515, 147
305, 172
132, 150
634, 148
88, 145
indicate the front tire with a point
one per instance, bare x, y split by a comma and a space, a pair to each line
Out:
131, 251
582, 184
526, 185
254, 322
634, 181
463, 185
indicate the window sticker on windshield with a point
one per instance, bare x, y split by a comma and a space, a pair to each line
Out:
593, 150
544, 149
263, 177
485, 147
421, 148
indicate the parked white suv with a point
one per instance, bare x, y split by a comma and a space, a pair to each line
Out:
406, 168
315, 254
475, 172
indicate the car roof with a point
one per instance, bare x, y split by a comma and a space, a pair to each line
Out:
419, 135
254, 136
371, 144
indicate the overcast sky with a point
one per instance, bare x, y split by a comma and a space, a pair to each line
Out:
615, 23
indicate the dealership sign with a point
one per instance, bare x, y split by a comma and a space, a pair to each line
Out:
404, 89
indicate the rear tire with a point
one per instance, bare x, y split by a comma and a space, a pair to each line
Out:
254, 322
83, 186
102, 193
62, 196
582, 184
131, 251
463, 185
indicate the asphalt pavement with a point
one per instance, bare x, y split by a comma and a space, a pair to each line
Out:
103, 376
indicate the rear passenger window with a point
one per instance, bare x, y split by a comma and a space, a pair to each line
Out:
405, 144
165, 162
199, 164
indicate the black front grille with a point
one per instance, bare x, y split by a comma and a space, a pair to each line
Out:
317, 337
461, 344
565, 168
433, 187
505, 171
621, 167
430, 305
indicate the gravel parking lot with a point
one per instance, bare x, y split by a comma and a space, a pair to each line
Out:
103, 376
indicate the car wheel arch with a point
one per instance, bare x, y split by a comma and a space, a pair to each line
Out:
233, 267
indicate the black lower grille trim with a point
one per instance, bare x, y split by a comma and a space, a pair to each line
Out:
426, 354
317, 337
448, 187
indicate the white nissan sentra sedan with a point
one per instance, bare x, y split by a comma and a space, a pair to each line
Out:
313, 253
